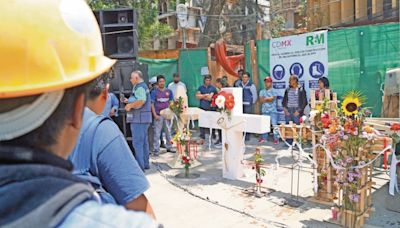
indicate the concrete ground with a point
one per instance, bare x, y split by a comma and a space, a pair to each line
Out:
212, 201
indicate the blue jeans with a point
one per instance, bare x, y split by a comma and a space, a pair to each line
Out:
158, 126
274, 123
248, 109
140, 142
291, 117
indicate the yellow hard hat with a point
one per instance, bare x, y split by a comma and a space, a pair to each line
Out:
48, 45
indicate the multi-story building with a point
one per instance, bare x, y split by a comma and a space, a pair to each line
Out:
167, 15
336, 13
290, 10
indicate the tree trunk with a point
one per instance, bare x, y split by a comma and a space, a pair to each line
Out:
211, 28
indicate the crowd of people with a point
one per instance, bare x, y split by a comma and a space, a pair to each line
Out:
294, 100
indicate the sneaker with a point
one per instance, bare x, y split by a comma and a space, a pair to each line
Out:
262, 140
276, 141
162, 145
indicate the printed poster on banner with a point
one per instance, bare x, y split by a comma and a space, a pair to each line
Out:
304, 55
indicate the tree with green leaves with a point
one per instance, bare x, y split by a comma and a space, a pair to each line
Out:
149, 28
237, 20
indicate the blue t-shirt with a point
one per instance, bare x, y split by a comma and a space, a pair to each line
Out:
93, 214
111, 103
118, 170
268, 106
204, 104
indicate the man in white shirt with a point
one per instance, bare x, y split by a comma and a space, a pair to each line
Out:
177, 82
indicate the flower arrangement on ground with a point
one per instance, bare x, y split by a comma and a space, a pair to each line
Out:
182, 141
260, 173
348, 141
224, 102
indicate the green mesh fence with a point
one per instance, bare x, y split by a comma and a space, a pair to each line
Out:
262, 60
247, 58
379, 51
190, 63
358, 59
166, 67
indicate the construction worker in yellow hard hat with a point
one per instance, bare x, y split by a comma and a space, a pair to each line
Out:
50, 52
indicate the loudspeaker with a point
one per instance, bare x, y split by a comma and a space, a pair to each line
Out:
122, 17
119, 32
120, 82
125, 45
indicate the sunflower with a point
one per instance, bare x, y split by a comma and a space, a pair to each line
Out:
352, 102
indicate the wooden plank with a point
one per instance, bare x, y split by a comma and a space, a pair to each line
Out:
312, 94
383, 119
317, 200
160, 54
209, 59
254, 67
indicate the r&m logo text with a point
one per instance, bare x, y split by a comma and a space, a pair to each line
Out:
318, 39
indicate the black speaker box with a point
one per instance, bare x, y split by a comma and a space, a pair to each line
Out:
119, 34
121, 71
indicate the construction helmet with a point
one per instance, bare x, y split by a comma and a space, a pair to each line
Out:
46, 46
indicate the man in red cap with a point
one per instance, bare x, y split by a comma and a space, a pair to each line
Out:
268, 107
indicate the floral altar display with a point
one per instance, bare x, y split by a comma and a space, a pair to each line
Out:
187, 150
348, 146
233, 123
181, 117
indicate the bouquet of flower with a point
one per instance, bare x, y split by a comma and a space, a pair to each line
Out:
182, 140
177, 107
260, 173
224, 102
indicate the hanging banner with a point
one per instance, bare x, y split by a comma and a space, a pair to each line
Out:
304, 55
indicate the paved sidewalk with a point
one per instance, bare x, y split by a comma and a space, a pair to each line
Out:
176, 208
212, 201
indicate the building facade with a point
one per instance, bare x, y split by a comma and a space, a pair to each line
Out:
337, 13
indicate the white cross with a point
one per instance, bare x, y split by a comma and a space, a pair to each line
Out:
232, 132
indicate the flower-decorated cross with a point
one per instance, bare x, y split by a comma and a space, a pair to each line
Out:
233, 125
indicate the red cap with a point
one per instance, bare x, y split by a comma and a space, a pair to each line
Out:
268, 79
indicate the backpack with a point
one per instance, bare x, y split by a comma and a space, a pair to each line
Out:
91, 173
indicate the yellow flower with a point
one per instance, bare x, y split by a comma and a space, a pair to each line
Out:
319, 107
351, 103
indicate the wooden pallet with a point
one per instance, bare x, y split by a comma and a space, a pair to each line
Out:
382, 124
320, 99
355, 217
326, 192
293, 131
